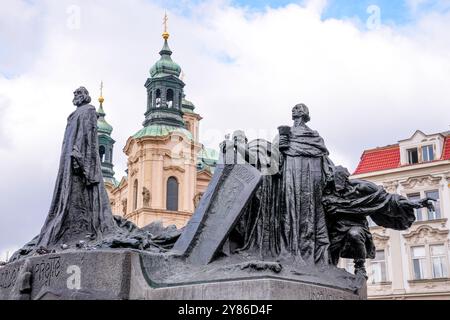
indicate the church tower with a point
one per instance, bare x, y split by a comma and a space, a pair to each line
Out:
163, 182
106, 143
164, 89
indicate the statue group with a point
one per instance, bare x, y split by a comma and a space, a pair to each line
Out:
307, 211
269, 205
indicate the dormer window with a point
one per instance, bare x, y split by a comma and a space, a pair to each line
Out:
413, 156
427, 153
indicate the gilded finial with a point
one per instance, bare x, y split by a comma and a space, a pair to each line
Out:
101, 99
165, 33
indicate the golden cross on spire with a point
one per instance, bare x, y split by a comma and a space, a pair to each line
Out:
165, 20
101, 99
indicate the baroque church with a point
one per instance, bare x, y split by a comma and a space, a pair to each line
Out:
168, 169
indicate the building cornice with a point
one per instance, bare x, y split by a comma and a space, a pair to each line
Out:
140, 211
149, 139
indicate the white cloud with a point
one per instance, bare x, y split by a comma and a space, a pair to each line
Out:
244, 69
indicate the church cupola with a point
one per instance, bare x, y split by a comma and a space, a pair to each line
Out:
105, 142
164, 89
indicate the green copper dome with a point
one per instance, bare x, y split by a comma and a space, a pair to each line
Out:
165, 65
161, 130
103, 126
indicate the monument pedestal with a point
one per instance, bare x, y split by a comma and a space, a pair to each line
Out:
128, 274
251, 289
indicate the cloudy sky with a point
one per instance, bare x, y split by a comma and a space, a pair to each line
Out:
371, 71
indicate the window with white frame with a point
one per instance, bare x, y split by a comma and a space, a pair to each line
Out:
425, 214
419, 259
438, 261
427, 153
378, 268
436, 213
429, 261
417, 212
413, 156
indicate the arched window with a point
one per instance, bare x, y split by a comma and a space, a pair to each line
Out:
172, 194
169, 98
150, 100
102, 152
158, 98
135, 194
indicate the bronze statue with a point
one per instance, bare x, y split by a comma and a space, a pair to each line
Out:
80, 204
310, 210
305, 172
348, 203
285, 219
80, 215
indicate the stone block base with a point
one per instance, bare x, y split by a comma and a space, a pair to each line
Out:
122, 275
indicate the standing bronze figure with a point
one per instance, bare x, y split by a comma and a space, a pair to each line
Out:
80, 205
305, 172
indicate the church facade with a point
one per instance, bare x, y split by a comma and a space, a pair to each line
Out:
168, 169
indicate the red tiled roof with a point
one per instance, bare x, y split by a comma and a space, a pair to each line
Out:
389, 157
379, 159
446, 150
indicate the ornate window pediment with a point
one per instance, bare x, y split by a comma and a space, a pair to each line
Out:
425, 234
174, 168
391, 186
380, 240
427, 180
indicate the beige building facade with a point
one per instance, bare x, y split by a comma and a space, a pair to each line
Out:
412, 264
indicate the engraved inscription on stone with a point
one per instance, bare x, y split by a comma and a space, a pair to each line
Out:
221, 206
8, 277
323, 294
243, 173
47, 270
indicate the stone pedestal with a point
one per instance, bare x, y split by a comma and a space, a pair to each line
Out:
135, 275
251, 289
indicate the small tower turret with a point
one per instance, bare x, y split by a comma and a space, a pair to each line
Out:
105, 141
164, 89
